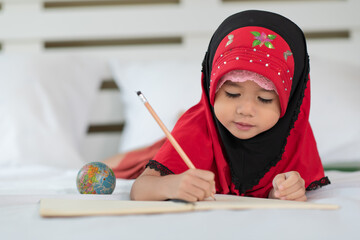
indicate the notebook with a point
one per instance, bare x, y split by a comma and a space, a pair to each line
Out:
83, 207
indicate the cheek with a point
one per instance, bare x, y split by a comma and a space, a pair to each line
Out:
217, 110
277, 107
221, 110
272, 112
271, 117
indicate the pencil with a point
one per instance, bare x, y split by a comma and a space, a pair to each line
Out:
166, 131
172, 140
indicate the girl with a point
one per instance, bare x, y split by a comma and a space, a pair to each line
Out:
249, 135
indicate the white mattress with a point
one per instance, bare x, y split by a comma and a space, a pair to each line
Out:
22, 188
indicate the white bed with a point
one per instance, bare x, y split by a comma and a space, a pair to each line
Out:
68, 72
22, 188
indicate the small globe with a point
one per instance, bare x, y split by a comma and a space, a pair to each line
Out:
95, 178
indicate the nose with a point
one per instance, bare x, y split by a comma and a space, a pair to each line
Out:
246, 107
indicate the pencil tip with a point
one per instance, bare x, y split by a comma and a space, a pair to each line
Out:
138, 93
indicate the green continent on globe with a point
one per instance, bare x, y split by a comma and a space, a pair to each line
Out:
95, 178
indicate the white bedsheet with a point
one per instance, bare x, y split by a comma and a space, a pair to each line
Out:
22, 188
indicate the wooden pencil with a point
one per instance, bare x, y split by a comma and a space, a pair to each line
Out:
167, 133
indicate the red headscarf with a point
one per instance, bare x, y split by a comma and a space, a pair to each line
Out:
273, 46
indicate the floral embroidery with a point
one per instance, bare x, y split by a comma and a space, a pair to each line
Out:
287, 54
230, 37
263, 39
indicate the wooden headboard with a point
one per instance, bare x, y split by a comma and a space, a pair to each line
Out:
129, 29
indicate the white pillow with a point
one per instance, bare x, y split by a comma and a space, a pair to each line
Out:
335, 110
171, 87
44, 106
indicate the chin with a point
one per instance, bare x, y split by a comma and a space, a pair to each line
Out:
244, 136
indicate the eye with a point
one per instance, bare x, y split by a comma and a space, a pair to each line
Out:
264, 100
232, 95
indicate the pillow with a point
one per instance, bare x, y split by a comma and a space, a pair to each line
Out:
44, 106
335, 114
174, 86
171, 87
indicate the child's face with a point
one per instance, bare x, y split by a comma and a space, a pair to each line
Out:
246, 109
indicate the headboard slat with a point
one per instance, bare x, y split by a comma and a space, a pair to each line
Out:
106, 128
113, 42
72, 4
327, 34
109, 84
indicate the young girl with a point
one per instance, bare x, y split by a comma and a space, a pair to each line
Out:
249, 135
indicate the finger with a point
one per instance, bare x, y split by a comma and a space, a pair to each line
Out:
293, 188
194, 186
186, 185
187, 197
208, 183
278, 179
291, 179
295, 195
213, 187
302, 199
198, 193
205, 186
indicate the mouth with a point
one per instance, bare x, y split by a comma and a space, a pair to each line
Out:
244, 126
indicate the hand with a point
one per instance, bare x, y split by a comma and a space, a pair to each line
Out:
288, 186
192, 185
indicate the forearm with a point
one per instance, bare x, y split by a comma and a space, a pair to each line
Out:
148, 187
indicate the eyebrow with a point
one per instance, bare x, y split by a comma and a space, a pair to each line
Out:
234, 84
265, 90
